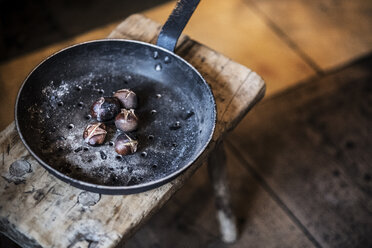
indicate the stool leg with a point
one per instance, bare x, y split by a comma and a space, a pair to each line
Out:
218, 176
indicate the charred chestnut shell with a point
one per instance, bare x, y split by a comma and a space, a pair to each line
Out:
105, 108
125, 145
126, 120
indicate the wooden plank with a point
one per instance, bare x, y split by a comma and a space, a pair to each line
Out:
331, 33
312, 146
34, 203
234, 29
188, 219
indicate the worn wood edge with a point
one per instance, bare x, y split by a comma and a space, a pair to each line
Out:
170, 188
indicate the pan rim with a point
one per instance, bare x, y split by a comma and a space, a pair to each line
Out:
117, 189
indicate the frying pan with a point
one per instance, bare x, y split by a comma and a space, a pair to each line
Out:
177, 111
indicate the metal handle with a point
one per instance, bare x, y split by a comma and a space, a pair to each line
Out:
175, 24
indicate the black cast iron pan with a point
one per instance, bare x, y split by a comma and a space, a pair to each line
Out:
176, 109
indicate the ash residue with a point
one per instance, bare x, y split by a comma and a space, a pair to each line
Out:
59, 122
56, 92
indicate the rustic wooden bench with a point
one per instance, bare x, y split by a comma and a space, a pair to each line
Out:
38, 210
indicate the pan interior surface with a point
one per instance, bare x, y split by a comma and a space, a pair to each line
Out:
176, 112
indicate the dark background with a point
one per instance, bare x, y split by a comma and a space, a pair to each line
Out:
29, 24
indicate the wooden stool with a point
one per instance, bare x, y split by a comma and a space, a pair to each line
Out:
37, 209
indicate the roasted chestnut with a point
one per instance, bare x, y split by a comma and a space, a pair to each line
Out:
126, 120
105, 108
127, 98
125, 145
95, 134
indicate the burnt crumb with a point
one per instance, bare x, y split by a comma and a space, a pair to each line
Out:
61, 138
187, 115
88, 158
78, 149
175, 126
103, 155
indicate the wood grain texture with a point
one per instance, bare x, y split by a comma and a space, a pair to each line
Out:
188, 219
235, 29
330, 32
312, 147
34, 205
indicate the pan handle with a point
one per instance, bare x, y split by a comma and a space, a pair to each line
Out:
175, 24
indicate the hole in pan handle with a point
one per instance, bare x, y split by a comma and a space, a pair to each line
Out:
175, 24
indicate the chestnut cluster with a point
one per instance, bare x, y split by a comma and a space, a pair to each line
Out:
119, 108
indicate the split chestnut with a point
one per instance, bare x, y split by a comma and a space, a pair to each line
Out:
125, 145
95, 134
126, 120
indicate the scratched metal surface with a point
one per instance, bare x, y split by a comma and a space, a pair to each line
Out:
176, 113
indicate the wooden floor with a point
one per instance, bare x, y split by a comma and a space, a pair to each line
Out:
300, 162
300, 172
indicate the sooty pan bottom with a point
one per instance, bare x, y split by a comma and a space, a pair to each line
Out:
168, 130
